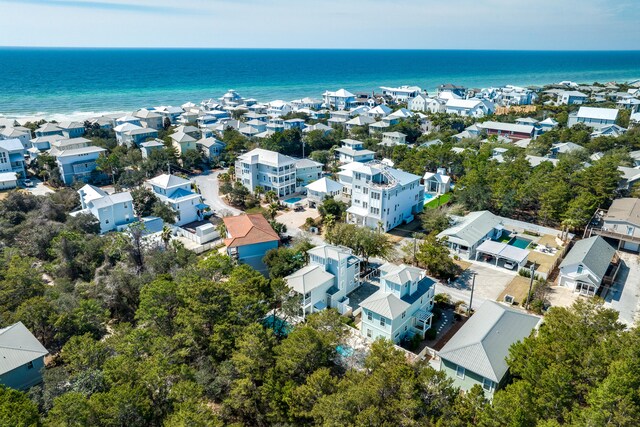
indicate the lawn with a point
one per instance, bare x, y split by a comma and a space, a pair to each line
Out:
442, 200
518, 288
258, 209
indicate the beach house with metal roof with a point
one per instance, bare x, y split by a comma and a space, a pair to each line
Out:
585, 266
341, 99
476, 354
469, 107
78, 164
593, 117
571, 97
21, 357
322, 189
402, 307
12, 154
353, 151
177, 193
267, 169
620, 224
113, 211
468, 232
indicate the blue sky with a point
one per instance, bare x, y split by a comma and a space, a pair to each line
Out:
395, 24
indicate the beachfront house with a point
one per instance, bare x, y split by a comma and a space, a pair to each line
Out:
248, 238
448, 88
72, 129
12, 154
585, 266
113, 211
476, 354
353, 151
270, 170
322, 189
594, 117
437, 183
307, 171
48, 129
331, 274
341, 99
21, 357
177, 193
381, 197
402, 307
402, 93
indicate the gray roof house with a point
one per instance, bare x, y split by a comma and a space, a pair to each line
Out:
21, 357
468, 232
477, 353
586, 264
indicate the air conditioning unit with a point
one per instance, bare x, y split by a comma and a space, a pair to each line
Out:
509, 299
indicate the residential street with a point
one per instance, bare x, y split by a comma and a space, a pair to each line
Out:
208, 185
625, 295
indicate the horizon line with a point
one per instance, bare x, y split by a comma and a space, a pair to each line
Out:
311, 48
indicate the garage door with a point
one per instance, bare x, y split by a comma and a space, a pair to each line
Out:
634, 247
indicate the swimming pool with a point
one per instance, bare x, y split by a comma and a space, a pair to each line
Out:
293, 200
427, 197
280, 327
344, 351
520, 242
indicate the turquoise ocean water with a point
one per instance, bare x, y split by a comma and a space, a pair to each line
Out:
66, 81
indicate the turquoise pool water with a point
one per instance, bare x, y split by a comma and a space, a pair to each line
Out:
344, 351
279, 326
520, 242
293, 200
427, 197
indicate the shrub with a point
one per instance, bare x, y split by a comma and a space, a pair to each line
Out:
442, 298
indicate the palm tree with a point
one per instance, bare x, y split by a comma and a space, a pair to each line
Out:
270, 196
166, 235
258, 190
272, 210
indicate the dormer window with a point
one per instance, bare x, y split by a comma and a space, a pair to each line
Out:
579, 269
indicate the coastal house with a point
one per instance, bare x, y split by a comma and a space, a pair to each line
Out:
294, 124
559, 148
594, 117
509, 130
72, 129
231, 98
183, 142
420, 102
358, 121
381, 197
477, 353
307, 171
150, 146
322, 189
393, 138
130, 134
267, 169
177, 193
585, 266
467, 233
169, 112
469, 107
149, 119
211, 147
379, 111
378, 127
113, 211
401, 94
571, 97
401, 307
306, 103
330, 275
353, 151
278, 108
341, 99
319, 127
248, 238
8, 180
22, 134
21, 357
12, 154
620, 224
437, 183
547, 124
48, 129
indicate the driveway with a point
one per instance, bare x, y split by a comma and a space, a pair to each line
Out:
208, 185
624, 295
489, 283
39, 189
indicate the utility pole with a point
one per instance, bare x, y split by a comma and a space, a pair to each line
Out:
532, 270
473, 286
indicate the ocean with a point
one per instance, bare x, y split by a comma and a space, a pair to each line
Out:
52, 82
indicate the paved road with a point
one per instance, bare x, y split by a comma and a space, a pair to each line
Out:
208, 185
624, 296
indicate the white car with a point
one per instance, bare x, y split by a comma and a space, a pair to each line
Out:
510, 265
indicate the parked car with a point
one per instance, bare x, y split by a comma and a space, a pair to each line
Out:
510, 265
28, 183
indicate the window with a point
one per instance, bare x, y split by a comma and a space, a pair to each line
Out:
369, 316
579, 269
383, 322
460, 372
30, 365
368, 333
487, 384
404, 314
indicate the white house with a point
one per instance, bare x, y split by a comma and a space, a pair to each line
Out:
469, 107
594, 117
585, 266
402, 93
571, 97
23, 134
112, 211
268, 169
438, 182
379, 111
322, 189
12, 154
131, 134
468, 232
331, 274
8, 180
279, 108
358, 121
353, 151
381, 197
177, 193
402, 307
307, 171
149, 119
340, 100
393, 138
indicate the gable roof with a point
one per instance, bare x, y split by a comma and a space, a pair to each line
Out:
167, 181
308, 278
482, 343
266, 157
594, 253
626, 209
598, 113
248, 229
472, 227
324, 185
18, 346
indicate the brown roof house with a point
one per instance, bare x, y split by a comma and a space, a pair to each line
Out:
249, 237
